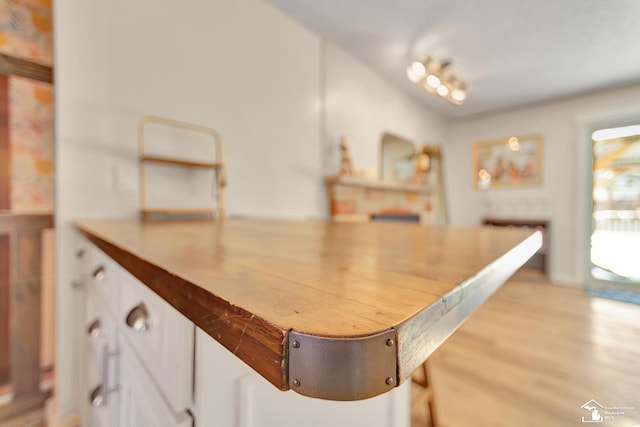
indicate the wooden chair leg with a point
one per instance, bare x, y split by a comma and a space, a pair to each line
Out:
422, 396
429, 381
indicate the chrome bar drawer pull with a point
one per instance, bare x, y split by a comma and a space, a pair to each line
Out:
138, 318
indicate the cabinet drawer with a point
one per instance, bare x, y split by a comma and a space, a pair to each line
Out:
81, 262
142, 404
162, 338
103, 277
100, 323
102, 398
102, 339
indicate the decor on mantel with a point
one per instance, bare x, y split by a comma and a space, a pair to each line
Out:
438, 78
346, 161
507, 162
409, 189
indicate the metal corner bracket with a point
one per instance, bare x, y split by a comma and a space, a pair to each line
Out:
342, 368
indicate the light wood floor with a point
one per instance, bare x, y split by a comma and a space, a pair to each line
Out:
534, 354
24, 411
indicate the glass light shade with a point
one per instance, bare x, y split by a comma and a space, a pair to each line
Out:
438, 78
433, 81
418, 68
412, 75
416, 71
459, 94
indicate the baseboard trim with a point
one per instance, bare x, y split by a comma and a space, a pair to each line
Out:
47, 378
53, 417
6, 394
6, 398
566, 280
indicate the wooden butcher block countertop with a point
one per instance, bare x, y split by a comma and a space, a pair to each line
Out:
332, 310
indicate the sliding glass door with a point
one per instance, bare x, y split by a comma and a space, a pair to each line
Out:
615, 235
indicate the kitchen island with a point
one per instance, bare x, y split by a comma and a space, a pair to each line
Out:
334, 311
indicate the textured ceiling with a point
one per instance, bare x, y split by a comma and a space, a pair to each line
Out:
510, 52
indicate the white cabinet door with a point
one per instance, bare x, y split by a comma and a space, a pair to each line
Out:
142, 405
79, 282
103, 278
101, 399
229, 393
99, 363
161, 337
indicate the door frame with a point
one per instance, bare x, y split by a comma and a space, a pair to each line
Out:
585, 128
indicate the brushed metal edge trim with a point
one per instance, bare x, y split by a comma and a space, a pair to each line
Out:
422, 334
342, 369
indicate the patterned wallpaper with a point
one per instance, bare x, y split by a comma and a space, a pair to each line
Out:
26, 29
31, 136
26, 32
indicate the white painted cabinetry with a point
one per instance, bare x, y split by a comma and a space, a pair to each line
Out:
233, 394
142, 404
98, 342
136, 364
141, 364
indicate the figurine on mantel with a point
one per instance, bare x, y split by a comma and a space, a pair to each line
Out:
422, 163
346, 162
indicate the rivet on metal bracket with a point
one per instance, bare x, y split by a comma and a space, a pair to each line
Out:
342, 368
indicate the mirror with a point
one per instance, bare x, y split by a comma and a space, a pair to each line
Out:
403, 161
397, 159
406, 163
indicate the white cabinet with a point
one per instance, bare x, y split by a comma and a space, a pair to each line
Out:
79, 354
162, 338
142, 404
98, 342
102, 357
230, 393
103, 278
135, 366
146, 365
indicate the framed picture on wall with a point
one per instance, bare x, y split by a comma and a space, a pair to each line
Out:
512, 161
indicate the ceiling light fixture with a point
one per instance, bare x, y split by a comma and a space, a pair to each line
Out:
438, 78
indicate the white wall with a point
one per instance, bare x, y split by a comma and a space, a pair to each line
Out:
241, 67
561, 198
360, 105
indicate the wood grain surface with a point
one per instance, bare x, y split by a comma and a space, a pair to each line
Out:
20, 290
180, 162
5, 147
534, 354
248, 282
5, 294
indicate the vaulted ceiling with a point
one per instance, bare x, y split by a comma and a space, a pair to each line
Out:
510, 52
